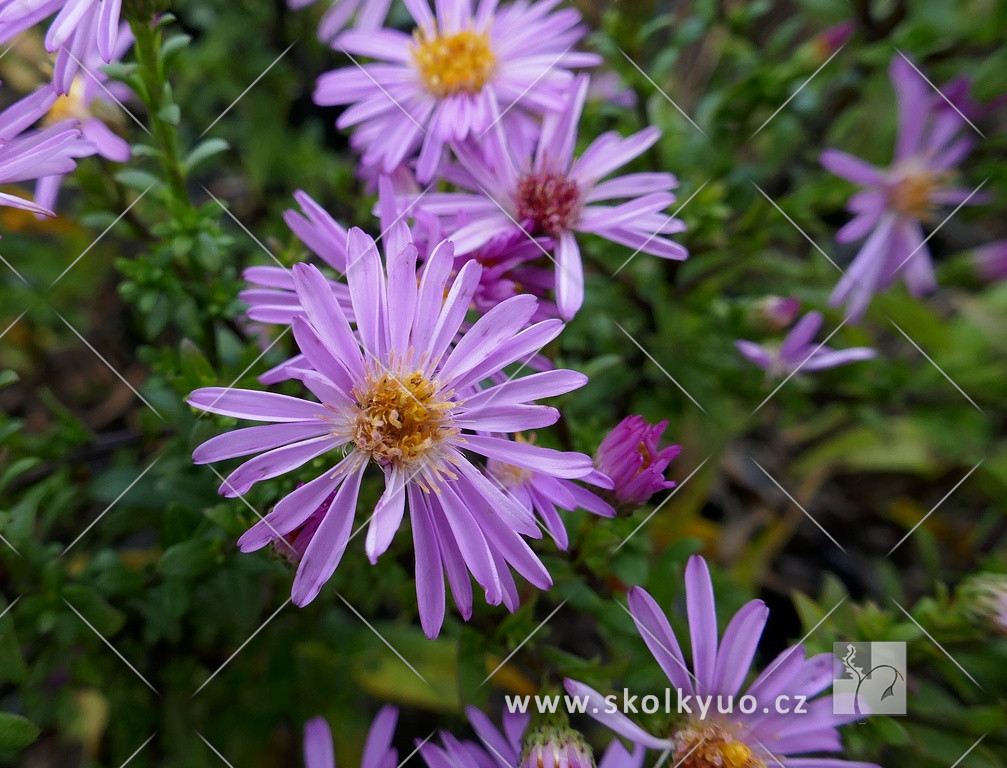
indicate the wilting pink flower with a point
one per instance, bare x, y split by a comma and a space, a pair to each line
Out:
370, 15
549, 193
515, 746
80, 29
776, 313
28, 155
762, 738
91, 105
319, 751
401, 391
630, 455
798, 351
454, 77
990, 261
895, 202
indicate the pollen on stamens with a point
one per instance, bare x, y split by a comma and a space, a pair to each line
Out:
459, 62
913, 194
713, 746
400, 418
550, 200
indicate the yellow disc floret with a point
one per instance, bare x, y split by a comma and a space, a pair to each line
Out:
913, 194
712, 746
459, 62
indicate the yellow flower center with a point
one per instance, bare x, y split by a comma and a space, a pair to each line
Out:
712, 746
401, 417
70, 105
461, 62
509, 475
913, 193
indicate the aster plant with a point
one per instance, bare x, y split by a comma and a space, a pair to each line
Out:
319, 751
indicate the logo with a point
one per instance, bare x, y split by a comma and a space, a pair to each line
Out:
871, 679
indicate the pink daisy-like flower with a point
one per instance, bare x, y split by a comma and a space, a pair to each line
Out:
90, 104
28, 155
895, 202
401, 391
515, 746
80, 29
630, 455
798, 351
454, 77
550, 193
370, 15
319, 751
756, 740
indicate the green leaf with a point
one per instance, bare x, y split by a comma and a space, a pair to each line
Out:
134, 178
189, 558
170, 113
16, 732
204, 151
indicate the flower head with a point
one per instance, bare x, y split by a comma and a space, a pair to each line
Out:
401, 391
799, 352
737, 740
630, 456
319, 751
984, 597
458, 73
895, 202
990, 261
545, 191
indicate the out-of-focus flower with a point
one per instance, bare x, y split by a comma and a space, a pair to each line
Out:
832, 39
984, 599
762, 738
631, 457
458, 74
990, 261
542, 493
549, 746
609, 88
549, 193
28, 155
401, 392
80, 30
773, 313
895, 202
798, 351
319, 750
370, 15
91, 105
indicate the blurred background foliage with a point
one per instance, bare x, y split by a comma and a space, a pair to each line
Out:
118, 534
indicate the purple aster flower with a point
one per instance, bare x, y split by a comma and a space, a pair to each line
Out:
400, 392
545, 494
756, 740
319, 751
990, 261
895, 202
549, 193
798, 351
80, 29
608, 87
516, 747
370, 15
27, 155
91, 102
454, 77
774, 313
630, 456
